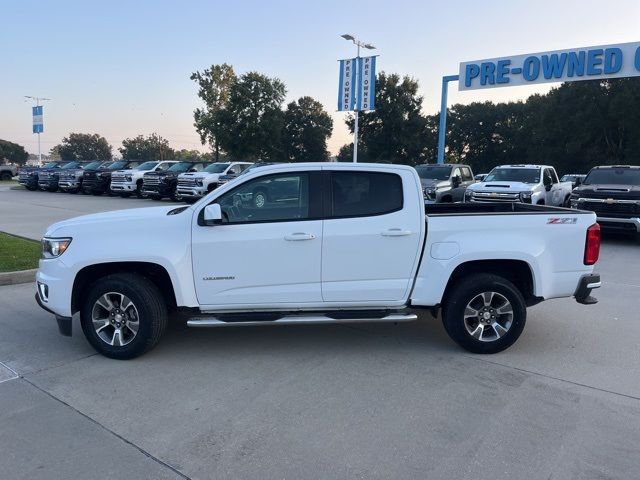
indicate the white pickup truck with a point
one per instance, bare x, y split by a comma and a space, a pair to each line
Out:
536, 184
195, 185
126, 182
331, 243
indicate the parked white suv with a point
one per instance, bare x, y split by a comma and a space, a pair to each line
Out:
536, 184
195, 185
126, 182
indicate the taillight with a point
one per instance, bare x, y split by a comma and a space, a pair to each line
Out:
592, 245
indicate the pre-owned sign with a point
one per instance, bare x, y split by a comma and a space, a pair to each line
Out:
607, 61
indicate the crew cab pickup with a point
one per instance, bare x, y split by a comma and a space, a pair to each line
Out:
333, 243
28, 176
195, 185
613, 193
157, 185
7, 172
70, 180
536, 184
98, 181
126, 182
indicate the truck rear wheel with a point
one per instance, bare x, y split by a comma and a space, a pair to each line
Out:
484, 313
123, 316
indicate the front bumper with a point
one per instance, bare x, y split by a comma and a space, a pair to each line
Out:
95, 185
586, 284
123, 187
28, 181
620, 224
48, 184
192, 192
162, 190
68, 184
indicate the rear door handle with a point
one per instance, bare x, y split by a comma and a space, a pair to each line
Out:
298, 236
396, 232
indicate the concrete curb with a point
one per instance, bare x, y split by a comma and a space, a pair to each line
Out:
14, 278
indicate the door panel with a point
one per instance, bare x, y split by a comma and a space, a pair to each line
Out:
267, 249
369, 258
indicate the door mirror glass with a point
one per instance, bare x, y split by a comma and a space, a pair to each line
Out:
212, 214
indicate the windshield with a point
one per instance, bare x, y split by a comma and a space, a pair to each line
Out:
70, 165
117, 165
217, 167
180, 167
93, 165
147, 165
524, 175
434, 172
613, 176
50, 165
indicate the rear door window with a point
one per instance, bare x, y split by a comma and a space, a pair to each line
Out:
359, 194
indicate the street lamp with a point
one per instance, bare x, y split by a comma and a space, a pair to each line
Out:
38, 100
368, 46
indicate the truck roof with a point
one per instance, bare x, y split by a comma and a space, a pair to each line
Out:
618, 166
337, 166
523, 165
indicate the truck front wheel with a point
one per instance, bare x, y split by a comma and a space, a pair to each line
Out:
123, 316
484, 313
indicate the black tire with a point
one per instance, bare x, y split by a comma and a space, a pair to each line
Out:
139, 189
97, 193
155, 197
6, 176
175, 196
151, 309
465, 292
125, 195
31, 189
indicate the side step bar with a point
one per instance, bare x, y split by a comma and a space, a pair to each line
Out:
301, 319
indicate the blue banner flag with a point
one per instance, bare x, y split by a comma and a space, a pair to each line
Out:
38, 126
346, 87
366, 95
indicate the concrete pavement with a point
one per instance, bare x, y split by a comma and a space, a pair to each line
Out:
366, 401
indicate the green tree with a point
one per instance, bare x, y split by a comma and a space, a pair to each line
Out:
396, 131
152, 147
214, 89
84, 146
307, 128
185, 154
253, 119
12, 152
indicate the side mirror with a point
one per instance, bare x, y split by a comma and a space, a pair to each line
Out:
578, 182
212, 214
456, 181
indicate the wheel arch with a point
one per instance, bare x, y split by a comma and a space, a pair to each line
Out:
517, 272
154, 272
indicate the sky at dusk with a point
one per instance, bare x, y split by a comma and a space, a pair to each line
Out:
121, 68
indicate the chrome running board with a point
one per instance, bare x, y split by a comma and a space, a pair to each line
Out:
301, 319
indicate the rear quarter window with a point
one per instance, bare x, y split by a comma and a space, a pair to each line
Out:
359, 194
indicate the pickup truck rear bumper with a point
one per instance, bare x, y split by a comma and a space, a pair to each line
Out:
585, 285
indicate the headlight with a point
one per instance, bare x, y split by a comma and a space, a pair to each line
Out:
104, 174
127, 178
54, 247
526, 196
468, 195
198, 182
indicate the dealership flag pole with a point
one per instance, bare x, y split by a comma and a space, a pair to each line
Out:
38, 125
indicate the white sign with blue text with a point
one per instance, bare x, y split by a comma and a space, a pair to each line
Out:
590, 63
365, 99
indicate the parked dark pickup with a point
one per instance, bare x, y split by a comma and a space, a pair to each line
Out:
444, 183
28, 176
158, 185
97, 181
613, 193
70, 180
49, 178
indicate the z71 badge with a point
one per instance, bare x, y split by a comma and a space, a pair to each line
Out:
563, 221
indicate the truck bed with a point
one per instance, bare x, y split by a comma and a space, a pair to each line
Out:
495, 208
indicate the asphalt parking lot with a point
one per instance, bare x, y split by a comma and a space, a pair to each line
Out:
365, 401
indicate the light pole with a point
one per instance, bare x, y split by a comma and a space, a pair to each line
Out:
38, 100
368, 46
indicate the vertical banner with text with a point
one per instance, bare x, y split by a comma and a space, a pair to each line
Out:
346, 89
37, 120
366, 83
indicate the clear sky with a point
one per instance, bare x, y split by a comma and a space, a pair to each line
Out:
121, 68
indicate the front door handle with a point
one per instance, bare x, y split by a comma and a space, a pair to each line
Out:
298, 236
396, 232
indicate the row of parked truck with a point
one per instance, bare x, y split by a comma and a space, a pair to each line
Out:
613, 192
